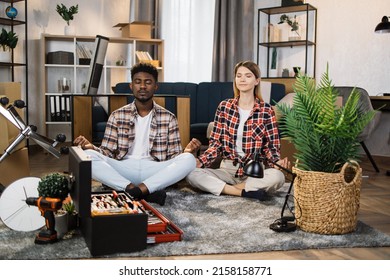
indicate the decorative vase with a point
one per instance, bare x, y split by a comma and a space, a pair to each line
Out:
273, 73
70, 30
294, 35
284, 31
296, 70
5, 56
61, 223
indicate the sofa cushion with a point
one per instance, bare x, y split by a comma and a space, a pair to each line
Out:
208, 97
179, 88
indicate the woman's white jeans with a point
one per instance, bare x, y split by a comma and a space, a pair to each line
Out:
156, 175
214, 180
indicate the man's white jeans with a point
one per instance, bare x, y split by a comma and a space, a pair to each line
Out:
156, 175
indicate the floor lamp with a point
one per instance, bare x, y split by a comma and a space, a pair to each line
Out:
384, 27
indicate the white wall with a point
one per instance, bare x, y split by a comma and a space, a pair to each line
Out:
357, 56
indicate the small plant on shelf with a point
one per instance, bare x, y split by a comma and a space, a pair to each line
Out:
8, 40
67, 14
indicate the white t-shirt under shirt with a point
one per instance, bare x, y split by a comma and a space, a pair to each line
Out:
244, 114
140, 148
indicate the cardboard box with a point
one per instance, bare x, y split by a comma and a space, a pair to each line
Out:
9, 132
136, 29
14, 167
108, 234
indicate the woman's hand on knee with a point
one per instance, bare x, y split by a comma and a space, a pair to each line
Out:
284, 163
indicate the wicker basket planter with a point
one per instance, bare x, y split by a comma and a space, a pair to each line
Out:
327, 203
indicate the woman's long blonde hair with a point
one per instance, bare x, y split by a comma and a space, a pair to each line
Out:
254, 68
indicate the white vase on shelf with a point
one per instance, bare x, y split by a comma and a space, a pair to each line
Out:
70, 30
295, 35
5, 56
273, 73
284, 32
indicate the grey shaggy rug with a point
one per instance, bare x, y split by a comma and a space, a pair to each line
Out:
211, 225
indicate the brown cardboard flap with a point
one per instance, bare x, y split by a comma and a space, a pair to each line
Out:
123, 24
14, 167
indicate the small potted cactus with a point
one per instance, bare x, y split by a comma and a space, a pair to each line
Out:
70, 209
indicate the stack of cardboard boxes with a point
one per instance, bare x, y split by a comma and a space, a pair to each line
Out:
16, 165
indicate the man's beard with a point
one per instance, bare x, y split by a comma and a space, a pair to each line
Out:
143, 98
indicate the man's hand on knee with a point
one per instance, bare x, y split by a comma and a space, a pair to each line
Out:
193, 147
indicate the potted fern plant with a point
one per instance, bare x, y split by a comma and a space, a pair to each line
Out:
327, 186
8, 41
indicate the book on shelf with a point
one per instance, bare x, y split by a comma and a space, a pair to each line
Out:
83, 53
67, 108
145, 57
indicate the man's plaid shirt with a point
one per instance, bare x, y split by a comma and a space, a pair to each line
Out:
164, 138
260, 133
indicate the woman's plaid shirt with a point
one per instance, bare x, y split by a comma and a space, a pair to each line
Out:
260, 134
164, 138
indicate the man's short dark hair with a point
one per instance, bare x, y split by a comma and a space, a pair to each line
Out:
144, 67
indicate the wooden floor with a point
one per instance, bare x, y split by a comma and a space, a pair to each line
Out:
374, 211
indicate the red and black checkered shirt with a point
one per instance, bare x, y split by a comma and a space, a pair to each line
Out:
260, 134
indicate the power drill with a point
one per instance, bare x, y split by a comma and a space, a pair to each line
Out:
47, 206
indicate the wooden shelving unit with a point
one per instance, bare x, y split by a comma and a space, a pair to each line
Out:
119, 49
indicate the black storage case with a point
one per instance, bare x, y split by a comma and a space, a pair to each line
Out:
60, 57
109, 234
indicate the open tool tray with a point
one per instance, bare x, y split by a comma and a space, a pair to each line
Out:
160, 228
157, 222
173, 233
